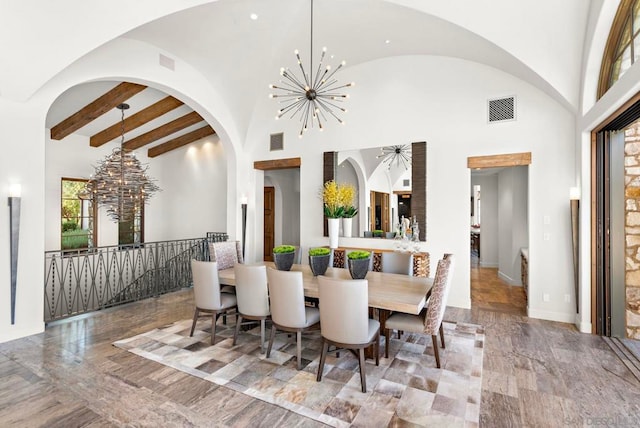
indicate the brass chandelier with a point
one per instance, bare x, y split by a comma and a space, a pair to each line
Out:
312, 97
398, 154
120, 182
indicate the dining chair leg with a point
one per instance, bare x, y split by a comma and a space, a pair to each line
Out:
442, 335
271, 339
386, 342
377, 348
323, 356
363, 376
195, 319
214, 317
299, 351
434, 339
262, 326
400, 334
238, 322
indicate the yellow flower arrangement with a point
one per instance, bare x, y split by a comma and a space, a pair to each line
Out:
338, 200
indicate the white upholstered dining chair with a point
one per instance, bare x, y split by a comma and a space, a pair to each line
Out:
209, 299
429, 321
253, 297
396, 262
288, 310
344, 320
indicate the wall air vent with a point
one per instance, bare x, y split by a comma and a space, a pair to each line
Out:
501, 109
276, 142
406, 183
167, 62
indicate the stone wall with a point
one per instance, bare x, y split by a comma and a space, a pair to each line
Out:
632, 233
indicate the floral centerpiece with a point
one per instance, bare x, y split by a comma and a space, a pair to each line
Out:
347, 196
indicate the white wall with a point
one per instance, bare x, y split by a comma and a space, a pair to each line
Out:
512, 222
193, 181
489, 219
419, 98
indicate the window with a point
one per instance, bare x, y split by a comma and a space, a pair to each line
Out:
131, 232
623, 45
78, 216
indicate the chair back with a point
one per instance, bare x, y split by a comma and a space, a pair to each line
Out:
251, 290
226, 253
297, 255
286, 294
438, 300
395, 262
344, 309
206, 286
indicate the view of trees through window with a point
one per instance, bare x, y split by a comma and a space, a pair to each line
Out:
77, 216
131, 232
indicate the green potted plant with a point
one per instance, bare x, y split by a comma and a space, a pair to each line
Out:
359, 262
378, 233
283, 256
319, 260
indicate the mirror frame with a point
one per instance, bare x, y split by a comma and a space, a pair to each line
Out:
418, 183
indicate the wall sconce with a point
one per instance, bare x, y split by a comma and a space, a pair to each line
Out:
14, 235
574, 200
243, 202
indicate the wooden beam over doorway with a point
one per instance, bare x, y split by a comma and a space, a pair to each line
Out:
497, 161
277, 164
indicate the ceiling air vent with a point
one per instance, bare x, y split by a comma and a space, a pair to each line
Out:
276, 142
502, 109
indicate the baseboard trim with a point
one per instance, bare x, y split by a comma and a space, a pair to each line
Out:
488, 265
551, 315
583, 327
509, 280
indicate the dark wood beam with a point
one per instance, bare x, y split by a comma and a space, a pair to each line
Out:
163, 131
95, 109
277, 164
148, 114
180, 141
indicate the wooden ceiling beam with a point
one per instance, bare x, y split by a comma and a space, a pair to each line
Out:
180, 141
163, 131
132, 122
95, 109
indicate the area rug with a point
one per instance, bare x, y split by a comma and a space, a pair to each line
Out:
406, 389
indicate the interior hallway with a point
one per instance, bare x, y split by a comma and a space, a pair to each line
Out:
535, 373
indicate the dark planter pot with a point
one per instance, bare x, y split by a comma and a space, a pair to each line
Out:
283, 261
368, 234
319, 264
359, 268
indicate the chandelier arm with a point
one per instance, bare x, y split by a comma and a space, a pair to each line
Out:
304, 74
331, 113
294, 79
290, 107
318, 80
326, 104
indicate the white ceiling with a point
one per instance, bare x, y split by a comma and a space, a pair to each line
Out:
241, 56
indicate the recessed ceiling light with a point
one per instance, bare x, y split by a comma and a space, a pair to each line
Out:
253, 16
387, 41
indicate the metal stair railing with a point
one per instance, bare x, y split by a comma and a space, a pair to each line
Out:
82, 281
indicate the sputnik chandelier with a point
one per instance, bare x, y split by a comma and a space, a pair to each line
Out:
399, 154
120, 182
312, 97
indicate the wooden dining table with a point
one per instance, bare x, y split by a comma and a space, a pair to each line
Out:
388, 292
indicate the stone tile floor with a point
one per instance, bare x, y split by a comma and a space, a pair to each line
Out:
535, 373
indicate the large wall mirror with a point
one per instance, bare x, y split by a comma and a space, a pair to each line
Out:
390, 183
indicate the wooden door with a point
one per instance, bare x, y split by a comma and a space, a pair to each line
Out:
269, 222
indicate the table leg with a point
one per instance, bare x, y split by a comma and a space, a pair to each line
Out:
383, 314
